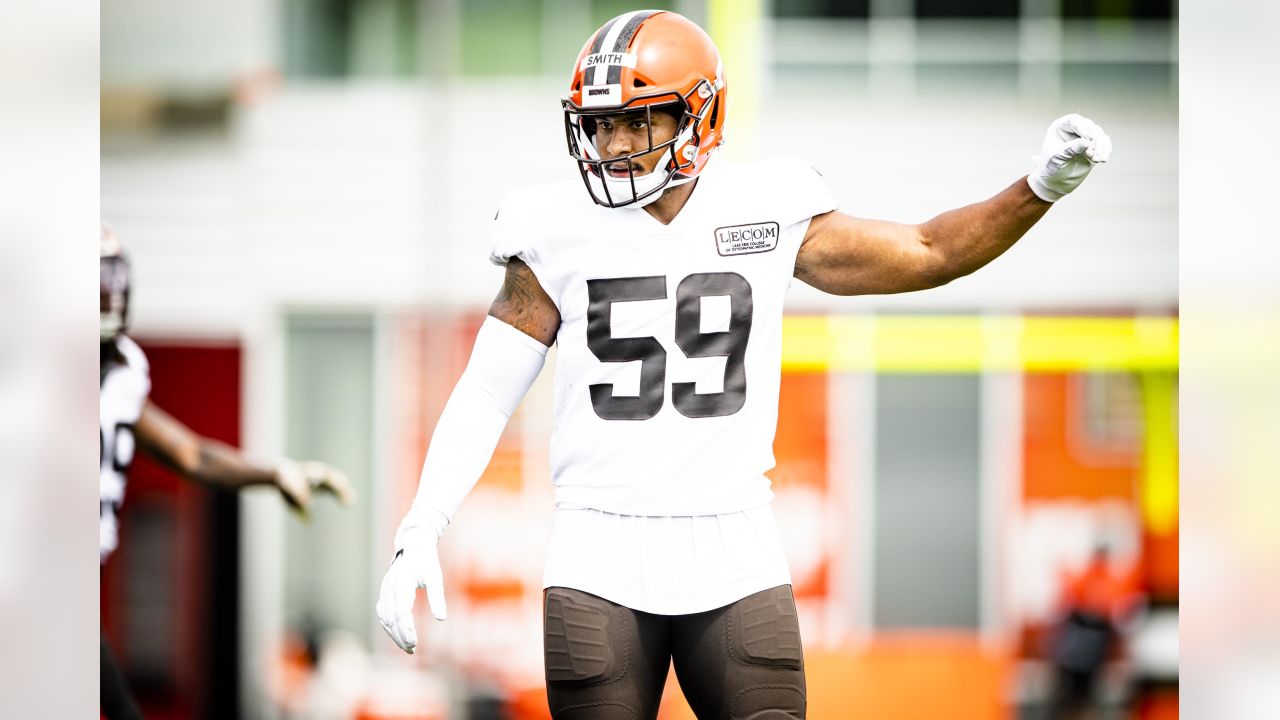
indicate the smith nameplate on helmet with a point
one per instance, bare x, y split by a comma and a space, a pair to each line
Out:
609, 58
747, 239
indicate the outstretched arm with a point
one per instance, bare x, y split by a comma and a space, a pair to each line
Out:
844, 255
177, 447
207, 461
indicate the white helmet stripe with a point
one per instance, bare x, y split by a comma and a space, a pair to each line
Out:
598, 44
624, 41
610, 40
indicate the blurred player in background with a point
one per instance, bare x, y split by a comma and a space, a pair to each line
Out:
128, 420
664, 284
1096, 602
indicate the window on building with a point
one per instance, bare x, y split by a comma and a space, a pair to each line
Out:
351, 38
967, 8
1117, 9
823, 9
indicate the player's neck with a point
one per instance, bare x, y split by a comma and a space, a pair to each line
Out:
665, 208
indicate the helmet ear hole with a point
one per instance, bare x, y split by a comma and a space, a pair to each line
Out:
715, 113
639, 83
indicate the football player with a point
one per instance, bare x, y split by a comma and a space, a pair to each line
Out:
128, 420
663, 283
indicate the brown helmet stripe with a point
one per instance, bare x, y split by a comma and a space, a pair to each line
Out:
596, 44
624, 41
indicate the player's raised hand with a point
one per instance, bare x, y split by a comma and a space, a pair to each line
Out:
1072, 146
416, 564
297, 480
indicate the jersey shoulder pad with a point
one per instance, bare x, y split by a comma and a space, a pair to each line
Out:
133, 354
799, 192
786, 189
135, 368
528, 217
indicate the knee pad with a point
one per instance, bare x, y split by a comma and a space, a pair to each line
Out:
782, 703
598, 711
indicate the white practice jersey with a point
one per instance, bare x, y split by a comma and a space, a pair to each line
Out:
669, 357
123, 391
666, 565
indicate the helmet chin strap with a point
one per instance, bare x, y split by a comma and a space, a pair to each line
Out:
621, 187
675, 181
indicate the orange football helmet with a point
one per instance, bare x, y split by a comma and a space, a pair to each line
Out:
646, 60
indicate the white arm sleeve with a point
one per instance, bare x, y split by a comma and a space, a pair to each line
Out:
503, 364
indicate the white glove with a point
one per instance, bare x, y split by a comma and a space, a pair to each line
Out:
296, 480
416, 565
1072, 146
504, 363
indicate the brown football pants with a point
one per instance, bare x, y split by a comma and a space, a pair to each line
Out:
608, 662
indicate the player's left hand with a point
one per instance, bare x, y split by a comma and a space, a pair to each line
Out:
297, 480
1072, 146
415, 565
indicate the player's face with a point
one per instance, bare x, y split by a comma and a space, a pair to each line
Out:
626, 133
106, 284
113, 288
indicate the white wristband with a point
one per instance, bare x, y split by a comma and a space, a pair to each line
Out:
503, 365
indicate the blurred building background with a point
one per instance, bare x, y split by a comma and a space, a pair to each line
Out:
306, 186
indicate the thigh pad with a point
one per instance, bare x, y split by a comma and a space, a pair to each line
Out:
762, 629
585, 640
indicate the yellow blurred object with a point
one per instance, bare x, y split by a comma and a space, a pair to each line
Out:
1159, 452
736, 26
968, 343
